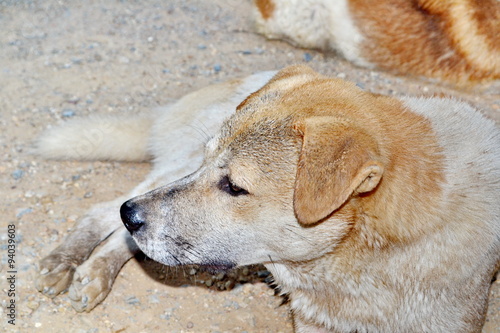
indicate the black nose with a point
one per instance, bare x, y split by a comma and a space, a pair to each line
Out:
132, 216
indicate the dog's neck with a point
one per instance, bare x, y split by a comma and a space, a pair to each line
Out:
320, 291
413, 164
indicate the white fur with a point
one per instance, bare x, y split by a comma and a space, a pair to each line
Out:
98, 138
471, 147
315, 24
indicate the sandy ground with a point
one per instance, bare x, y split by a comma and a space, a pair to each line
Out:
65, 59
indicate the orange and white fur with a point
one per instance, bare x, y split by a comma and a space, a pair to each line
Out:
454, 40
373, 213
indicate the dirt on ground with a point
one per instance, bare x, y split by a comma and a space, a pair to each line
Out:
66, 59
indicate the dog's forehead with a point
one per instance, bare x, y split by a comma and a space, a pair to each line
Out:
257, 141
265, 119
251, 123
253, 136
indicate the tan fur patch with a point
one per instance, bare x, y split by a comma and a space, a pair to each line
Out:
266, 8
414, 165
431, 38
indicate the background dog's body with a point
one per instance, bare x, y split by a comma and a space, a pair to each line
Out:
417, 255
453, 40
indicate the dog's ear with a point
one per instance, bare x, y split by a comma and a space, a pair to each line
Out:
337, 160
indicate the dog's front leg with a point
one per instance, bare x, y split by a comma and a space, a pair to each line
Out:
93, 279
58, 268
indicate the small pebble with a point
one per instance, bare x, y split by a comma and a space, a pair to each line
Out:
153, 299
123, 60
68, 113
217, 68
168, 313
60, 220
33, 305
229, 285
232, 304
17, 174
307, 57
263, 274
88, 195
46, 200
23, 212
25, 267
73, 100
132, 300
360, 85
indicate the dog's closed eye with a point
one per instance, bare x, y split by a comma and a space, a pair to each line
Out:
229, 187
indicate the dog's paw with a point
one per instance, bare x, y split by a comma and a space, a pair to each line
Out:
55, 275
91, 284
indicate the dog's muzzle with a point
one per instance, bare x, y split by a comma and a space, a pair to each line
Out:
132, 216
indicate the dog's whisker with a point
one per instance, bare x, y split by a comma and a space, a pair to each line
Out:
193, 252
310, 241
205, 137
174, 257
205, 130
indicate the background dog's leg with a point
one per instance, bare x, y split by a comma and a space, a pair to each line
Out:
57, 269
92, 280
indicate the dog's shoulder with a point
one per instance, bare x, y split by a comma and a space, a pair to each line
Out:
470, 144
462, 131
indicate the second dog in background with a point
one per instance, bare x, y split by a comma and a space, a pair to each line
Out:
454, 40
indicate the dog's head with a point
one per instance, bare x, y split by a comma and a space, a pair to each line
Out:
277, 183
